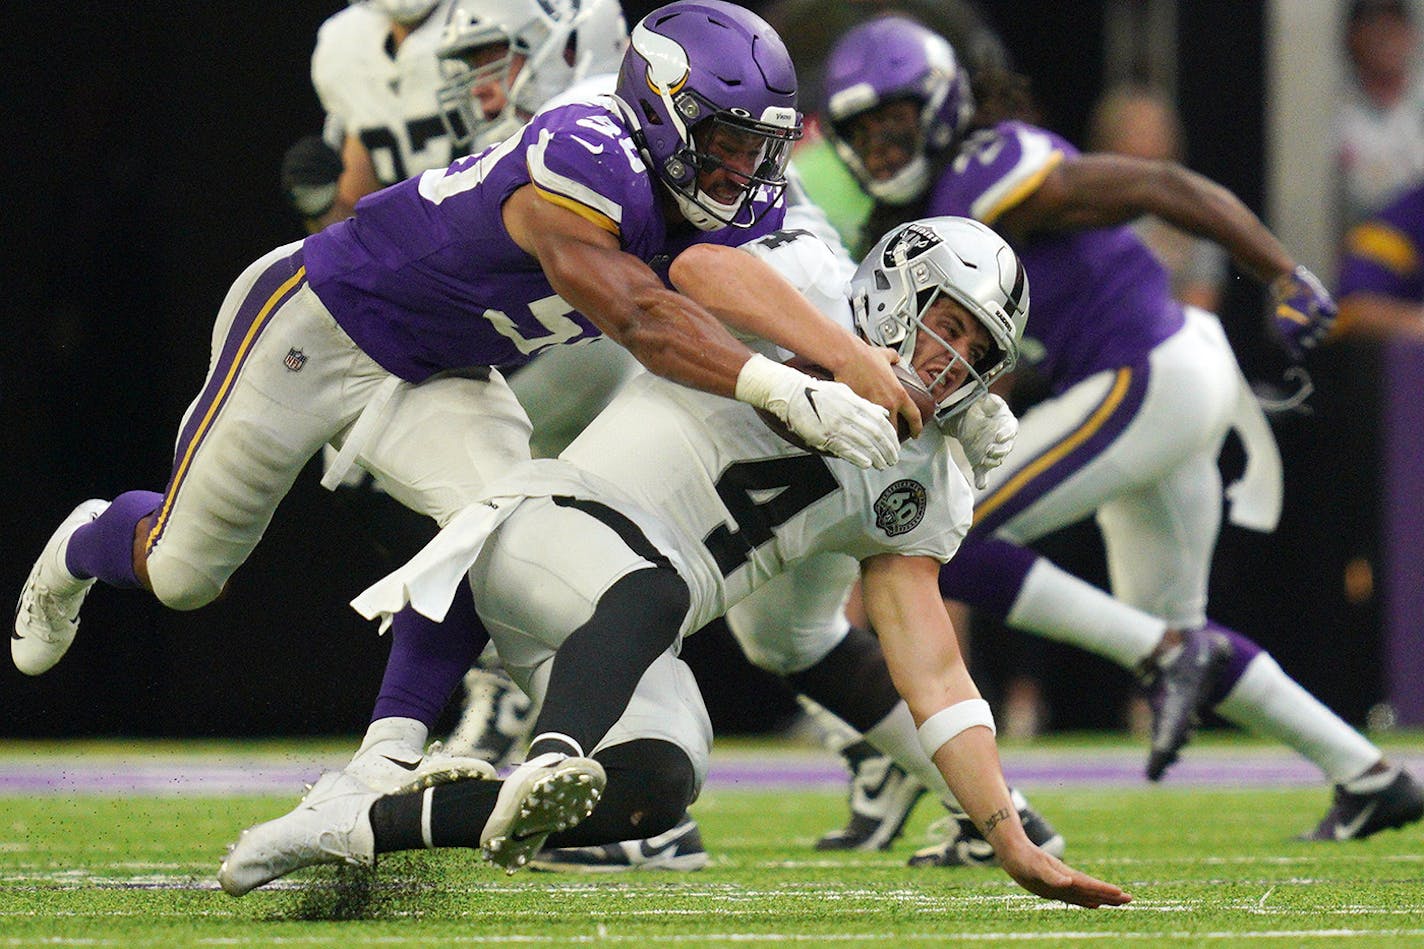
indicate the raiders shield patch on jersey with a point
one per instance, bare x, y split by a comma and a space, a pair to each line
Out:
901, 507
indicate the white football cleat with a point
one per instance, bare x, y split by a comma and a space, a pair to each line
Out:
47, 615
334, 828
544, 795
388, 767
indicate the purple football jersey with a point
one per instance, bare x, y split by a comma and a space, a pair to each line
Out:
1099, 298
425, 278
1385, 254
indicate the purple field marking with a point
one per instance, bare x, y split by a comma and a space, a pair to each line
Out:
1029, 768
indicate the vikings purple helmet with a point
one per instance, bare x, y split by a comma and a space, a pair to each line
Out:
887, 59
700, 64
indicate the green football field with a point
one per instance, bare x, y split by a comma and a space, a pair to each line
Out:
116, 844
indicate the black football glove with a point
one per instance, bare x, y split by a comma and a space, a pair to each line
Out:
310, 170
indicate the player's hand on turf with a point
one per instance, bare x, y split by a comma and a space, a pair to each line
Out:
310, 170
1043, 874
1304, 311
870, 375
986, 430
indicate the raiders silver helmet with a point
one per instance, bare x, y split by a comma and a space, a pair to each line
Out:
917, 263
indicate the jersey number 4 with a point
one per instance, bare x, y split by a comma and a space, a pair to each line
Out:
761, 496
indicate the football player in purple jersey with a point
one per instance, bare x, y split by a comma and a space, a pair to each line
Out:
383, 334
1381, 278
1144, 391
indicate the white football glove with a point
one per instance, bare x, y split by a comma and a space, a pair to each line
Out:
828, 416
986, 431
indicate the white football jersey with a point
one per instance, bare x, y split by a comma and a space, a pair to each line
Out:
743, 503
728, 501
387, 100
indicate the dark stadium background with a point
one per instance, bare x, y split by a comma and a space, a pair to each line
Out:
141, 178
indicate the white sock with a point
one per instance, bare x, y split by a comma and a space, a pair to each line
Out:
408, 733
895, 735
560, 737
1268, 702
1056, 604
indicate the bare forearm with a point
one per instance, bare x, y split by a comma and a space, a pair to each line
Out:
1101, 190
971, 767
1201, 206
923, 656
902, 599
745, 293
669, 333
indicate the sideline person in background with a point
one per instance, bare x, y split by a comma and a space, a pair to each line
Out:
1381, 286
1141, 122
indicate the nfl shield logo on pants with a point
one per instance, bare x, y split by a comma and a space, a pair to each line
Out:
295, 360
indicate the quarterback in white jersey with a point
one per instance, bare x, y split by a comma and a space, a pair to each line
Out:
667, 511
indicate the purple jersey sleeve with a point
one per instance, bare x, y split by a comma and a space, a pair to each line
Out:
582, 158
1383, 254
1100, 300
425, 278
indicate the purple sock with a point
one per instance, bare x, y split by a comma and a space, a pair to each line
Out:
103, 548
987, 574
428, 660
1243, 651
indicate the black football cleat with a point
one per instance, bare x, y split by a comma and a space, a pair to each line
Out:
1180, 692
1355, 816
882, 795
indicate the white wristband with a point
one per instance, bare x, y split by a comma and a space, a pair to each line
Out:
947, 723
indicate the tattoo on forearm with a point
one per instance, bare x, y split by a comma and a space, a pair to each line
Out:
994, 819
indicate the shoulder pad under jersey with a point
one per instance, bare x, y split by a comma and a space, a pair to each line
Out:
995, 169
581, 157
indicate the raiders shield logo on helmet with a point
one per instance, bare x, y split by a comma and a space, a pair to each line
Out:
910, 243
901, 507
